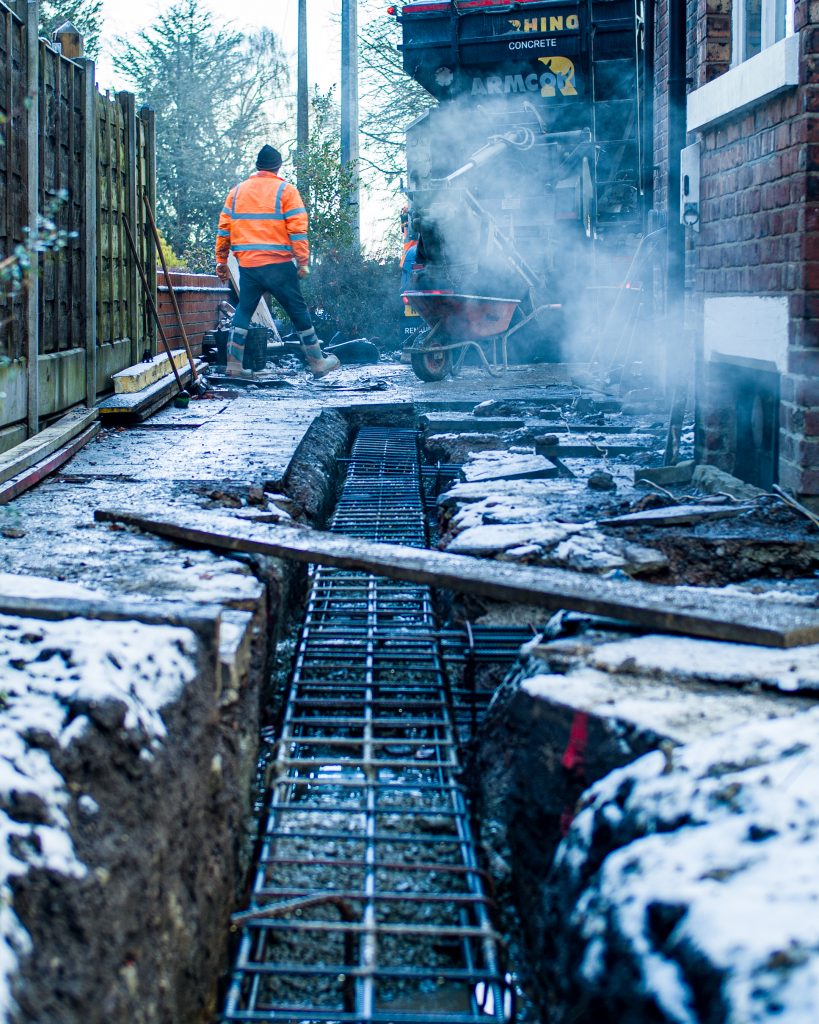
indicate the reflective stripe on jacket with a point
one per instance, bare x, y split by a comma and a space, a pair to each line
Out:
263, 221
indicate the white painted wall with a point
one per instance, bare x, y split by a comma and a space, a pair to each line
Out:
755, 80
749, 327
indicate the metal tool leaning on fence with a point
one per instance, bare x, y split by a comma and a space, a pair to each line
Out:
264, 223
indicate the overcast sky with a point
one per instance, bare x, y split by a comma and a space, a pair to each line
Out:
125, 17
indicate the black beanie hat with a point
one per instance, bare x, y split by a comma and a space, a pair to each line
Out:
269, 159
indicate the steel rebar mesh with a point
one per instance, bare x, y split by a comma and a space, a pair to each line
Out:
368, 902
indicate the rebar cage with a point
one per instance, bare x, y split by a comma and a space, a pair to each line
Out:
368, 903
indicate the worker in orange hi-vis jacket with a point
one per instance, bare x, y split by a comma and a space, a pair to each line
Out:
264, 222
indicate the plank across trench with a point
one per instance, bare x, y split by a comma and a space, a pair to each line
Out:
368, 903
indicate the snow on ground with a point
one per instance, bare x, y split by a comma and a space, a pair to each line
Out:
690, 881
54, 676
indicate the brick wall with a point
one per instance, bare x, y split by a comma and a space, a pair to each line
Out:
712, 32
799, 423
198, 296
751, 195
759, 236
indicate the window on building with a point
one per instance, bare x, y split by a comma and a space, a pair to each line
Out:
757, 24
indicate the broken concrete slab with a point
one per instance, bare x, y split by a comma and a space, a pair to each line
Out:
459, 448
508, 466
699, 613
446, 423
666, 476
657, 706
491, 539
713, 481
501, 491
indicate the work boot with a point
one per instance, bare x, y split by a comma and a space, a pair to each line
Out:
319, 362
236, 353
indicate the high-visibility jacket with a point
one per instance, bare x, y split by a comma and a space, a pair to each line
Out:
263, 221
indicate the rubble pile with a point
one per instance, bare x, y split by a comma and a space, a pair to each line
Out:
594, 701
516, 527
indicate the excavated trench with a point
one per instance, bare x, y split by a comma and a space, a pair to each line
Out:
369, 898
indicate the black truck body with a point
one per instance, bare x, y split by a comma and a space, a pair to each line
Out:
531, 175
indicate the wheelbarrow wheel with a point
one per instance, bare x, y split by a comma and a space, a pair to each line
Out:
432, 362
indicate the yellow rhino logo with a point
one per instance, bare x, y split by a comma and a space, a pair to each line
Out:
561, 78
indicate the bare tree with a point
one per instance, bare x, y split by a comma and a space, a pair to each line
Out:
390, 99
212, 88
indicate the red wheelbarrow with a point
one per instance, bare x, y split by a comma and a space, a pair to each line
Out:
457, 324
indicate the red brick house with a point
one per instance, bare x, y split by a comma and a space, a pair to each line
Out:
749, 198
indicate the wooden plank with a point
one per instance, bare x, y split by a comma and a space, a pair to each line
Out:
27, 479
693, 611
135, 378
39, 447
590, 450
147, 172
676, 515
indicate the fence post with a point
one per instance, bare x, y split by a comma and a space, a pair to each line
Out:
89, 107
148, 118
132, 211
32, 349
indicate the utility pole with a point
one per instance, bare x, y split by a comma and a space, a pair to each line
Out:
302, 97
349, 105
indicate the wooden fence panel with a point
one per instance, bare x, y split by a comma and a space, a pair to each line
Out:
13, 213
123, 145
86, 160
62, 186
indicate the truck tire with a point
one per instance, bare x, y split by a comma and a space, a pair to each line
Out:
432, 363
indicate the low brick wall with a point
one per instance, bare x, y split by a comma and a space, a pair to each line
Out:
198, 296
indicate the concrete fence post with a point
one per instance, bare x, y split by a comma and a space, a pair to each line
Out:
32, 346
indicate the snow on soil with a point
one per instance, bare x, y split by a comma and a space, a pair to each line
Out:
50, 673
692, 873
32, 587
687, 659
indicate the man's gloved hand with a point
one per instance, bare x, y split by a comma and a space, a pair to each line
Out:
222, 271
304, 271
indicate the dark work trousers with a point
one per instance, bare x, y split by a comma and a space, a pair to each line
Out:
282, 281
